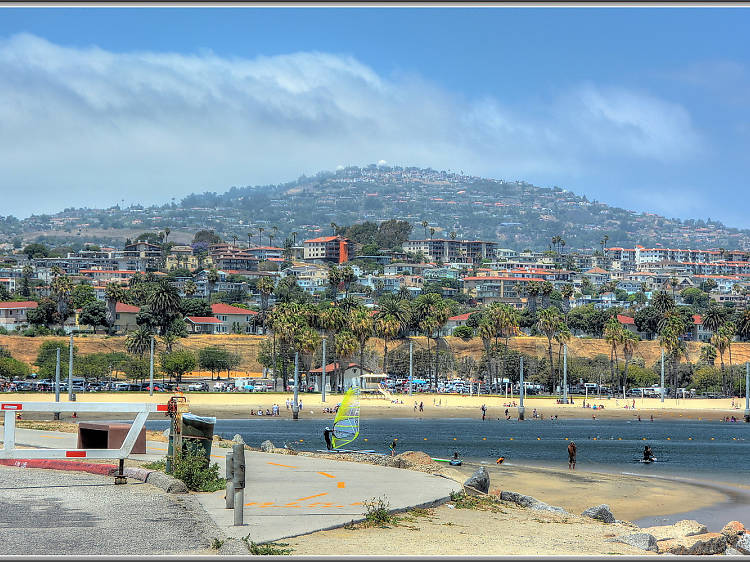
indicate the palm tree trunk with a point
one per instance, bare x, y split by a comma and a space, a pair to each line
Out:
385, 354
551, 363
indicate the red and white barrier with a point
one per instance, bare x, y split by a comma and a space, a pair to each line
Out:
9, 450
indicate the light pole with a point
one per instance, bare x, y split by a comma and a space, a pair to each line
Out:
663, 390
521, 393
565, 373
70, 370
295, 404
57, 382
747, 392
151, 370
323, 374
411, 366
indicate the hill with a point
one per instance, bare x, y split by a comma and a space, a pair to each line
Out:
516, 214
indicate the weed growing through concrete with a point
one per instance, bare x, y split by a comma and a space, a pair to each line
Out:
161, 465
461, 500
377, 513
216, 544
267, 549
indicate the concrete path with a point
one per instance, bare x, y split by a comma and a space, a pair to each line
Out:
291, 495
50, 512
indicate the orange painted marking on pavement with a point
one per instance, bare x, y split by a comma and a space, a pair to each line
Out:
311, 497
158, 449
356, 503
341, 485
326, 474
252, 503
52, 436
284, 465
320, 504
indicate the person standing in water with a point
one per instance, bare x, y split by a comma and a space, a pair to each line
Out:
572, 456
392, 447
327, 436
484, 411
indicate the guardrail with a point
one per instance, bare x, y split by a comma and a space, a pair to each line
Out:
10, 409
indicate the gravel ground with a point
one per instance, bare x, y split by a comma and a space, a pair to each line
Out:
46, 512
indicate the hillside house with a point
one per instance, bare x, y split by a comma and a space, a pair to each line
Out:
234, 320
13, 314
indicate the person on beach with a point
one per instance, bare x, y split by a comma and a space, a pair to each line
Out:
421, 406
506, 412
392, 447
572, 455
327, 436
287, 403
652, 417
484, 411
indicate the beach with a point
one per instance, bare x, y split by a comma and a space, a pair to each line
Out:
228, 405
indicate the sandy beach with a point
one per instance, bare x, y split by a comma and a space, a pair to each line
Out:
239, 404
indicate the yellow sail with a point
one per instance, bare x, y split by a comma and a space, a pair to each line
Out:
346, 422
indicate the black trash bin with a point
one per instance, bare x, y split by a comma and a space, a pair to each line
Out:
198, 431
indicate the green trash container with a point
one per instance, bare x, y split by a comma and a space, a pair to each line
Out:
198, 431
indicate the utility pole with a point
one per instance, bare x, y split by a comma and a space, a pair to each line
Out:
521, 393
323, 369
57, 382
151, 370
411, 365
663, 390
565, 373
295, 404
70, 371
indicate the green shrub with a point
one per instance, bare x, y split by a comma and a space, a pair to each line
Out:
192, 467
377, 513
267, 549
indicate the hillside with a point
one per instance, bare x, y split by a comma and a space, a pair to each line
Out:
516, 214
26, 349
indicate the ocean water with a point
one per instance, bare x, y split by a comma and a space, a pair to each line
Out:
706, 450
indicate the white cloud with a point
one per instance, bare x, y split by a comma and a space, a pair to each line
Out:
83, 126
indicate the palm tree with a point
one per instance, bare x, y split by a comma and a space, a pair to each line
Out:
663, 302
61, 290
334, 279
673, 283
138, 342
249, 238
190, 288
167, 232
562, 337
431, 313
669, 341
546, 288
486, 332
391, 319
453, 234
729, 330
212, 277
720, 342
432, 232
165, 304
603, 242
532, 290
113, 293
566, 291
260, 235
424, 225
713, 318
743, 326
332, 321
708, 354
361, 324
334, 226
629, 343
345, 347
613, 336
549, 323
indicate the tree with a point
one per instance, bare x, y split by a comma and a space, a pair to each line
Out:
695, 296
195, 307
713, 318
613, 335
549, 323
206, 236
177, 363
663, 302
44, 314
629, 343
61, 288
36, 250
11, 368
46, 356
164, 304
708, 355
94, 314
113, 294
430, 313
566, 291
463, 332
362, 326
647, 320
345, 346
82, 295
391, 319
138, 342
190, 288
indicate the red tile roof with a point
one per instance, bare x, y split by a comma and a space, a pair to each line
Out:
331, 366
203, 320
460, 317
323, 239
221, 308
622, 319
697, 319
122, 307
19, 304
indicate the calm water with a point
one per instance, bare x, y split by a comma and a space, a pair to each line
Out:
704, 450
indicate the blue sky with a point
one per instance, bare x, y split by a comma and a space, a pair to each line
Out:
643, 108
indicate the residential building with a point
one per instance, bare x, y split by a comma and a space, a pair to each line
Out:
13, 314
234, 320
446, 250
125, 318
332, 249
203, 324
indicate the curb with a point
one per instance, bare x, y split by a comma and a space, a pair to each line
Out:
167, 483
92, 468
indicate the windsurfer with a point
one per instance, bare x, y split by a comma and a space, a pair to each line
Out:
327, 436
392, 447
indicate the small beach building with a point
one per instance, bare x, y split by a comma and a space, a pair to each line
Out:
351, 373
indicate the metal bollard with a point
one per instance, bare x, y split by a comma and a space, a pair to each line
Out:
238, 477
229, 474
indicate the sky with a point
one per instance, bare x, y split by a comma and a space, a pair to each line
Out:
643, 108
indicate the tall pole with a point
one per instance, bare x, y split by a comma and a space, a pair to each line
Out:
151, 370
747, 392
70, 371
565, 373
663, 390
521, 393
411, 365
295, 404
57, 382
323, 374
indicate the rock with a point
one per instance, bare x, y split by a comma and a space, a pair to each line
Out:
238, 439
733, 531
600, 513
530, 502
644, 541
233, 547
705, 543
411, 459
732, 552
267, 446
479, 481
684, 528
743, 544
137, 473
167, 483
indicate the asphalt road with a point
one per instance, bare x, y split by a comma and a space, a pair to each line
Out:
45, 512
